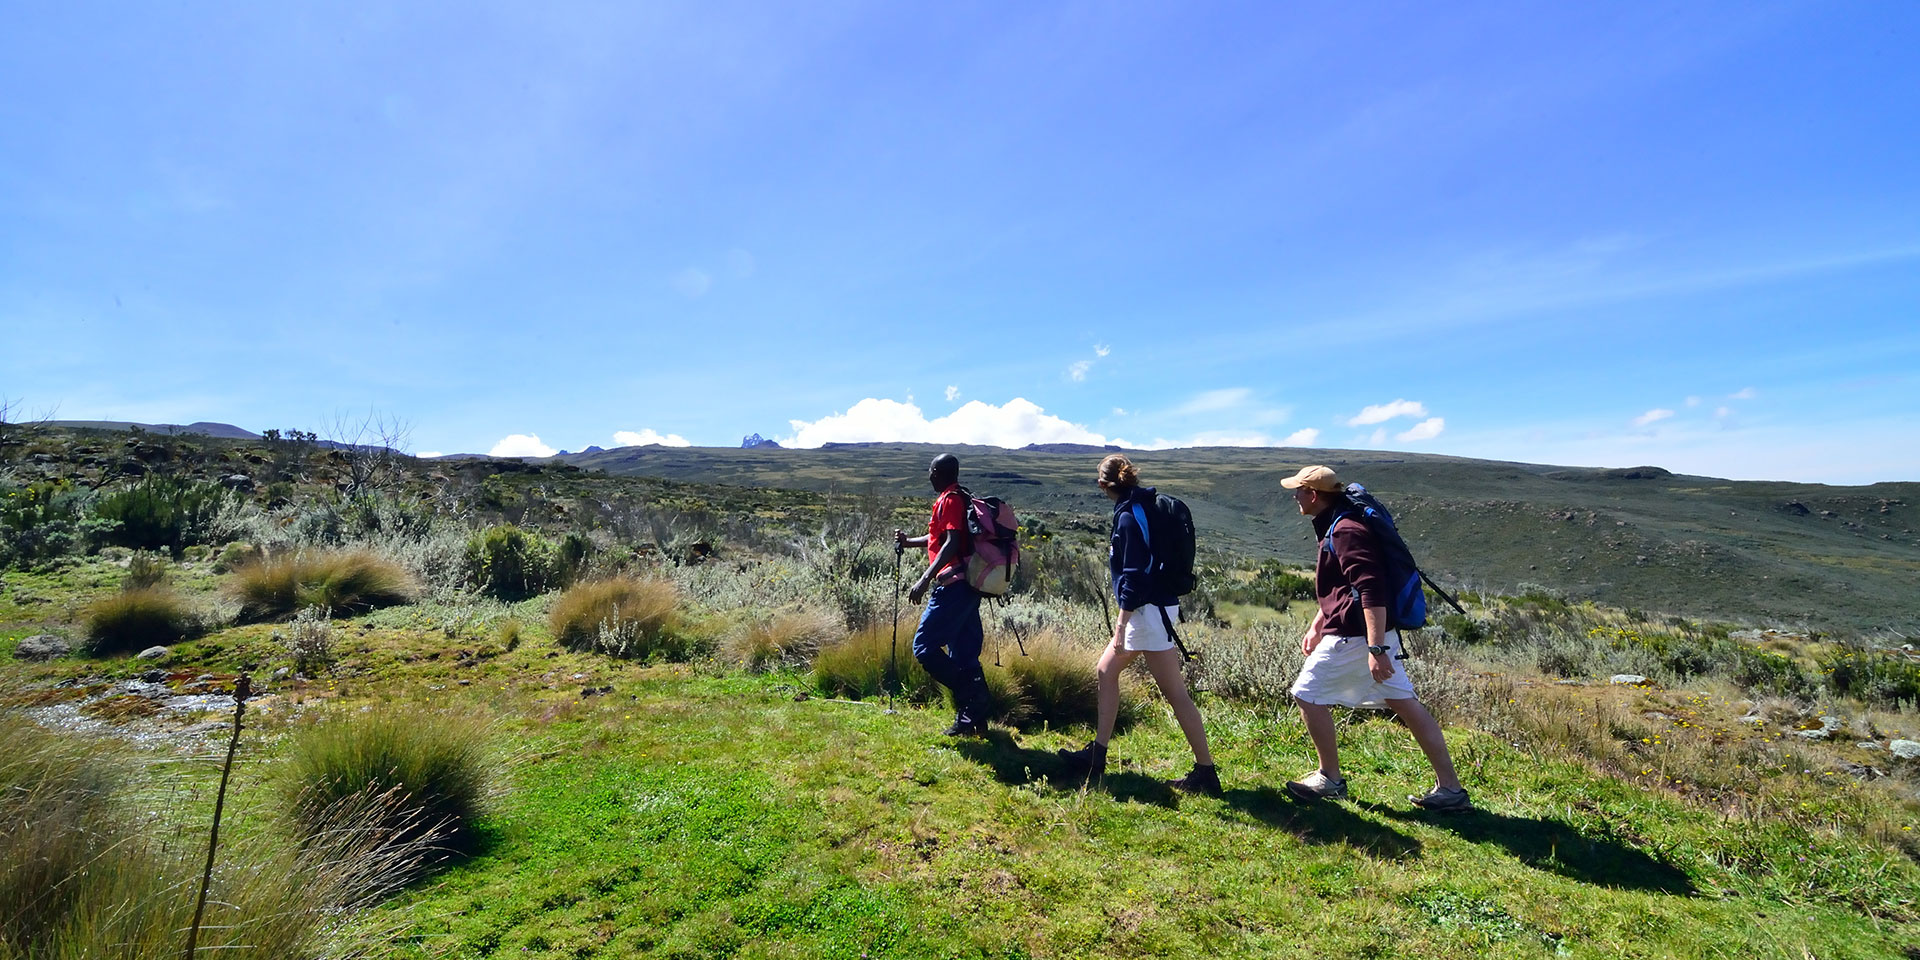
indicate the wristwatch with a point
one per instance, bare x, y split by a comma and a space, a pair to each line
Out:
1380, 650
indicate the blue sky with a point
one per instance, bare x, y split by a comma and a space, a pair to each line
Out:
1680, 234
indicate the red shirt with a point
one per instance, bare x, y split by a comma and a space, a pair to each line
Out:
949, 513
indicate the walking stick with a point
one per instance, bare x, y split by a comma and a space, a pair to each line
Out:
242, 689
893, 652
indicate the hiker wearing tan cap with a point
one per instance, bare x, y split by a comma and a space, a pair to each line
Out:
1353, 658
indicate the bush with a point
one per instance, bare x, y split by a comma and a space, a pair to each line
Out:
511, 564
858, 667
421, 778
44, 521
340, 580
163, 513
309, 640
1872, 676
144, 570
132, 620
235, 555
623, 617
788, 639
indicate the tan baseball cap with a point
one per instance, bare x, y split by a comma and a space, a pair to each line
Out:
1314, 478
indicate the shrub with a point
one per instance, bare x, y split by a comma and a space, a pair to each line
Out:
623, 617
43, 521
787, 639
858, 667
309, 640
1872, 676
421, 778
235, 555
144, 570
163, 513
132, 620
343, 580
510, 563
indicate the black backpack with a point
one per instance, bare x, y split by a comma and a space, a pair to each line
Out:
1170, 525
1170, 542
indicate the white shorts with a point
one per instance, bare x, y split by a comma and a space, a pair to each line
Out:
1146, 632
1336, 674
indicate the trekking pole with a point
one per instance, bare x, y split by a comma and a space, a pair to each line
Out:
242, 689
893, 653
1451, 602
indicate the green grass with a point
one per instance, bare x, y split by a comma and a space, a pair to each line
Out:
719, 817
344, 581
132, 620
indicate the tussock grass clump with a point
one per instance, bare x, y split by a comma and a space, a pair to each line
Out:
414, 778
623, 617
132, 620
1057, 685
789, 639
345, 581
856, 667
84, 874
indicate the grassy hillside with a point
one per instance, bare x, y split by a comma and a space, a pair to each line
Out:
1832, 557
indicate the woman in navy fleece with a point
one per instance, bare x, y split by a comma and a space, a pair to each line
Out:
1146, 610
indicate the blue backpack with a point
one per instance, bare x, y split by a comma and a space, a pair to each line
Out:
1407, 607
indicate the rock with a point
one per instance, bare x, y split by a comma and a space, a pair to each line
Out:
45, 646
1905, 749
154, 676
283, 673
154, 654
1754, 718
237, 481
1629, 678
1829, 726
1869, 745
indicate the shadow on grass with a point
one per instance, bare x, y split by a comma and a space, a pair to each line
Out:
1015, 765
1557, 847
1322, 822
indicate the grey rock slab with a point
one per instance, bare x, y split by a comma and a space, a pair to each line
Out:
154, 653
1629, 678
1905, 749
45, 646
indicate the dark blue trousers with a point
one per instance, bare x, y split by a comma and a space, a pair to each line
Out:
948, 643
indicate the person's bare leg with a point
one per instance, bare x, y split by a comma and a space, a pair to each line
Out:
1107, 674
1426, 732
1165, 667
1320, 728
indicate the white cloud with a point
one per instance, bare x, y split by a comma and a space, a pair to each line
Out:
1424, 430
1015, 424
1301, 438
1382, 412
1652, 416
1693, 401
1213, 401
1101, 350
521, 445
1746, 393
1119, 411
1379, 438
692, 282
1078, 370
1723, 412
953, 393
647, 437
424, 454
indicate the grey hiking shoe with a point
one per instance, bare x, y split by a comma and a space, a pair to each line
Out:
1089, 761
1318, 786
1442, 801
1204, 780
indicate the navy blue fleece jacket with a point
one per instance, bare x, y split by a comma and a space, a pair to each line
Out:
1129, 559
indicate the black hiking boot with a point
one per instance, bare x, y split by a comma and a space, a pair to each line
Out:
1089, 761
961, 728
1204, 780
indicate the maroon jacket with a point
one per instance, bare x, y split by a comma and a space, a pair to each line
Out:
1348, 578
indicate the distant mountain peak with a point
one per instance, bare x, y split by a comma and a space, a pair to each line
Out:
754, 441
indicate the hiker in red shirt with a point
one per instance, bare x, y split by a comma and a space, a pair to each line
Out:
949, 637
